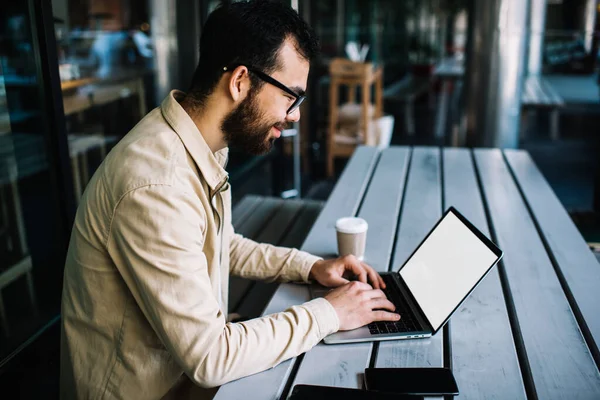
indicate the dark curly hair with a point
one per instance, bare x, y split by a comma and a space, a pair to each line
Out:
248, 33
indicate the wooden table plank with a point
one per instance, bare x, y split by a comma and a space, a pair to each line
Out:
250, 227
422, 206
344, 200
259, 292
269, 384
576, 262
381, 205
484, 359
303, 223
421, 209
243, 209
344, 365
240, 213
280, 222
555, 358
254, 223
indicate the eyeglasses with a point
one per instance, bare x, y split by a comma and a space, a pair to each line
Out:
299, 98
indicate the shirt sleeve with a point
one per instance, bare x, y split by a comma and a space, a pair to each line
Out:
262, 261
156, 242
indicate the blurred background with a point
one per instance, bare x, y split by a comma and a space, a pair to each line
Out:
77, 75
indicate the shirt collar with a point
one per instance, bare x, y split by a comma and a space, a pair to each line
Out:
211, 165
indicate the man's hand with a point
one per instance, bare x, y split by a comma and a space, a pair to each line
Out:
357, 304
336, 272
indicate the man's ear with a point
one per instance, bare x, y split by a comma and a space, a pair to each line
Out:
239, 83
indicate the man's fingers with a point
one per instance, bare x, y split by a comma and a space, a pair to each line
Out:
362, 286
381, 282
376, 294
335, 280
385, 316
380, 303
360, 273
374, 276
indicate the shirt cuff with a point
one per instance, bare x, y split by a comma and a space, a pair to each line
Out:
304, 262
325, 315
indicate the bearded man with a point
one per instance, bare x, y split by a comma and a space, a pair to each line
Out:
144, 306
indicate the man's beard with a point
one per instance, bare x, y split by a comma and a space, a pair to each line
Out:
245, 127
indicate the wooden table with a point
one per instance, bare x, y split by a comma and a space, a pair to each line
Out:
82, 94
531, 329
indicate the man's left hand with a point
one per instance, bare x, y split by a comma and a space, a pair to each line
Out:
338, 271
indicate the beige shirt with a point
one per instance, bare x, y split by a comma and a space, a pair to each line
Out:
146, 277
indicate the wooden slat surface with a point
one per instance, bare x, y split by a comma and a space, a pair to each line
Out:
250, 227
527, 345
269, 384
484, 359
343, 365
576, 262
298, 222
344, 200
421, 209
558, 362
296, 236
255, 222
422, 206
538, 91
243, 209
279, 224
381, 211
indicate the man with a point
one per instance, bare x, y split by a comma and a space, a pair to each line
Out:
146, 279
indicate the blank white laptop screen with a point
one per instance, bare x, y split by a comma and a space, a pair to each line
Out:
445, 268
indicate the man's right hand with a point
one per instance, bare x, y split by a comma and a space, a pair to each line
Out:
358, 304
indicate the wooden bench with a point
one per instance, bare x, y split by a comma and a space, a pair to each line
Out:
407, 91
538, 93
267, 220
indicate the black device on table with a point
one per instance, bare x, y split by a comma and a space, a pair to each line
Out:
414, 381
315, 392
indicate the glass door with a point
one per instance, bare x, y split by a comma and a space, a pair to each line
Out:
36, 195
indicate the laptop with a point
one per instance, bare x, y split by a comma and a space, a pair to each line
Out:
433, 282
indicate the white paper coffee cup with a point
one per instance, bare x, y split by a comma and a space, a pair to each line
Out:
351, 236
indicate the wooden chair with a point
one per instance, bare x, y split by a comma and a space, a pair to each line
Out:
352, 74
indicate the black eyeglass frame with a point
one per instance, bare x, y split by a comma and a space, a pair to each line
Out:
268, 79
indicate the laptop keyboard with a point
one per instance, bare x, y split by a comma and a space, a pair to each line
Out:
406, 322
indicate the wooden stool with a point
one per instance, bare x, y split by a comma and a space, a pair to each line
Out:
352, 74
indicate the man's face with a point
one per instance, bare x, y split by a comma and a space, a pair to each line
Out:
248, 128
259, 119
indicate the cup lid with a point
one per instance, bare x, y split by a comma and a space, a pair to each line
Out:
351, 225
